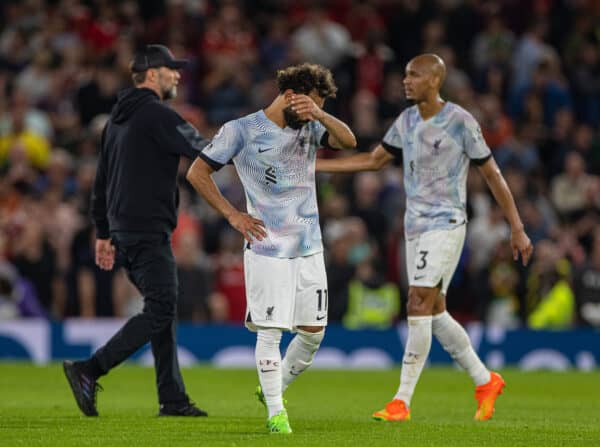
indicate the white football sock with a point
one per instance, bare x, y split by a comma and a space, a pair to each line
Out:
268, 365
299, 355
416, 352
456, 342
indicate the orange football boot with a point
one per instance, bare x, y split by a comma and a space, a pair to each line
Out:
395, 410
486, 395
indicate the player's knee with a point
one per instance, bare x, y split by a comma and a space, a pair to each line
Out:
439, 305
312, 340
312, 329
419, 302
268, 337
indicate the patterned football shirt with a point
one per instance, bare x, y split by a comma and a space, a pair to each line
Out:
436, 153
277, 169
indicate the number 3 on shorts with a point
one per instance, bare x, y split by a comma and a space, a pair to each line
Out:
423, 263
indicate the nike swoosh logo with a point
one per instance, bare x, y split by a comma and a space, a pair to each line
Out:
416, 278
260, 150
294, 374
321, 317
267, 370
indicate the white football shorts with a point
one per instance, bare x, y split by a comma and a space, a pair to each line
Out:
432, 257
285, 292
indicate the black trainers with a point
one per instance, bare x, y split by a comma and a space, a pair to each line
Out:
186, 408
84, 387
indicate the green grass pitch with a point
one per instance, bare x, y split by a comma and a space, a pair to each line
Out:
329, 408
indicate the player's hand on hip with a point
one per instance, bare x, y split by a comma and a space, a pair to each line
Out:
520, 243
105, 254
305, 107
250, 227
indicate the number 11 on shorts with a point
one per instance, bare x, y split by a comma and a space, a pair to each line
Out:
321, 304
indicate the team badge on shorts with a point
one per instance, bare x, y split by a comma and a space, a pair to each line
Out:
269, 315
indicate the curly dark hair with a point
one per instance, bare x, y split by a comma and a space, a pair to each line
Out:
304, 78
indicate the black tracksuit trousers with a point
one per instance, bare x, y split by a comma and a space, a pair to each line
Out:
150, 264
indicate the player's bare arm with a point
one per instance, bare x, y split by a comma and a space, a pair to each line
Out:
519, 240
367, 161
340, 135
199, 175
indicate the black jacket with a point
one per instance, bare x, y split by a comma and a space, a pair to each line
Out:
136, 180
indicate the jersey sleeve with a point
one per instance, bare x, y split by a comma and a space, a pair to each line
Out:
392, 140
180, 136
225, 145
473, 142
319, 134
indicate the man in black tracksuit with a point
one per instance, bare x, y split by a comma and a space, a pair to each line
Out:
134, 207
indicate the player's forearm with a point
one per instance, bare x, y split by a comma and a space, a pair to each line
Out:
505, 199
353, 163
339, 131
204, 185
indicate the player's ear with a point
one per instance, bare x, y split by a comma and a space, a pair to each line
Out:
152, 74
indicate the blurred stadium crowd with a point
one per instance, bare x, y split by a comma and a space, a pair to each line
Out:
528, 70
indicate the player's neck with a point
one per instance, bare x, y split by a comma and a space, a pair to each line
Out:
275, 111
430, 107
